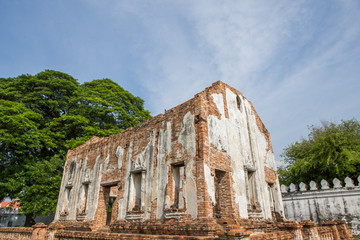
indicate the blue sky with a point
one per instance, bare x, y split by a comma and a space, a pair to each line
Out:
297, 61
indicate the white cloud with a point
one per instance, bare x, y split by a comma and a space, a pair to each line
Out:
291, 58
297, 61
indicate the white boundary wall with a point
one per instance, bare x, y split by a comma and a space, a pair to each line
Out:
324, 203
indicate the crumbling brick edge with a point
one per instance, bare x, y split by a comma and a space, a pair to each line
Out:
244, 229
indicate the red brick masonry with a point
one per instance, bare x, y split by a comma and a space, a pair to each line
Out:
85, 217
246, 229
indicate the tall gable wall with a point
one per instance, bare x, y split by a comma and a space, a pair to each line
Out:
237, 144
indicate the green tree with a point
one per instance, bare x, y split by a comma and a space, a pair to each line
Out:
332, 150
19, 139
44, 115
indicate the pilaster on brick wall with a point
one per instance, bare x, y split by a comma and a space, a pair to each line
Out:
203, 200
39, 231
309, 229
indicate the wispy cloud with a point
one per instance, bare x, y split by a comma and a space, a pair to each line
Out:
297, 61
290, 58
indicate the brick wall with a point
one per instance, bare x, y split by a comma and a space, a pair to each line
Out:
183, 134
245, 229
270, 175
21, 233
219, 140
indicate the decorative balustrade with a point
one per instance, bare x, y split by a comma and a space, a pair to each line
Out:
324, 201
349, 183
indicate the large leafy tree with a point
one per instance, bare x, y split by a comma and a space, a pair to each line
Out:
42, 116
332, 150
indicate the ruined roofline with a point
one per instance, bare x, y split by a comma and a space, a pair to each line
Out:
259, 122
160, 117
154, 120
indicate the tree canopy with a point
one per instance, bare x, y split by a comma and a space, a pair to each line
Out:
44, 115
330, 151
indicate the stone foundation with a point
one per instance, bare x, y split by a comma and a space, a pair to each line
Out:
202, 229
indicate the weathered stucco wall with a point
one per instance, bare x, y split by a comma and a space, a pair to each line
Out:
147, 152
239, 146
208, 158
324, 203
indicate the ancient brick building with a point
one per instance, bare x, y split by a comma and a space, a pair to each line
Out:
203, 170
208, 158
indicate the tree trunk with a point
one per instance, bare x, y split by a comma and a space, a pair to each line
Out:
29, 221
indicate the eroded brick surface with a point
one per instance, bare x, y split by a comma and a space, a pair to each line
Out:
228, 168
203, 168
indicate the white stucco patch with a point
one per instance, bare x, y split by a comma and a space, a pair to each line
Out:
187, 134
217, 133
122, 210
270, 160
94, 188
219, 102
190, 192
123, 204
149, 165
209, 179
187, 139
105, 164
164, 148
119, 156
